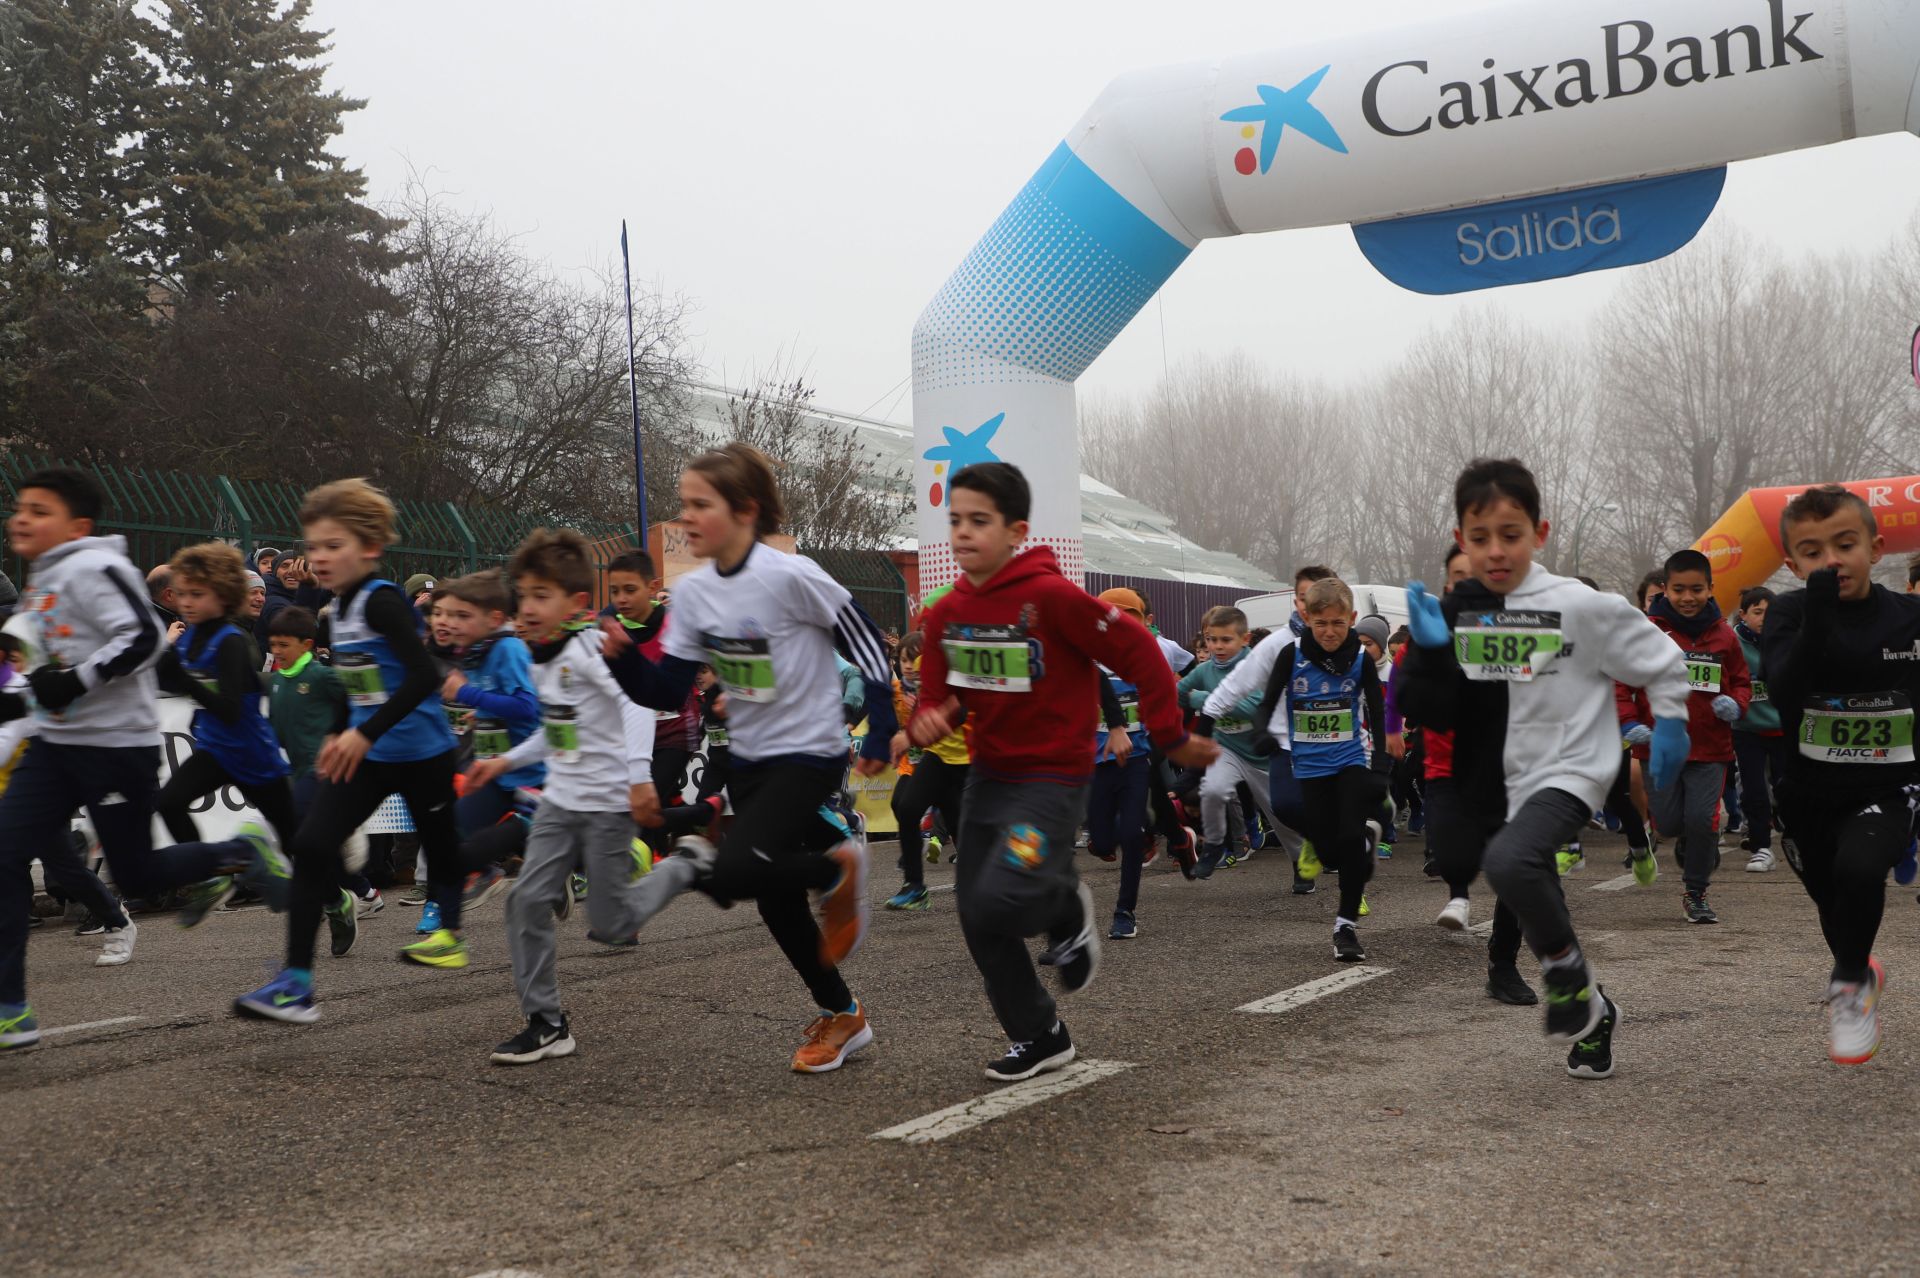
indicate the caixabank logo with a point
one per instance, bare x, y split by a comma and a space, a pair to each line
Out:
1278, 110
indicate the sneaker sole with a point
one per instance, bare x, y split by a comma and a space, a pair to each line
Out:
121, 959
1059, 1060
485, 894
1500, 996
450, 962
854, 1044
1594, 1012
1088, 940
1450, 923
285, 1015
1587, 1071
19, 1042
559, 1047
367, 909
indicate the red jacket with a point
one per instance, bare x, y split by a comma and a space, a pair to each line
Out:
1712, 737
1045, 733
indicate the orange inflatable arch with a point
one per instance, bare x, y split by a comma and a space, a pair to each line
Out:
1744, 544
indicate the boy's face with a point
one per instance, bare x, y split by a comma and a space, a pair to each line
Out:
338, 558
1688, 592
1755, 616
544, 605
286, 649
195, 601
464, 624
712, 526
1397, 648
1500, 539
42, 521
1458, 570
18, 659
1842, 541
983, 541
1301, 585
1330, 627
1224, 642
910, 670
1371, 648
628, 593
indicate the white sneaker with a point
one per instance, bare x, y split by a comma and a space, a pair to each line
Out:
372, 903
1454, 916
1853, 1017
118, 949
354, 852
1761, 861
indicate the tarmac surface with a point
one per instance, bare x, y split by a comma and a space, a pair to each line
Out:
1399, 1124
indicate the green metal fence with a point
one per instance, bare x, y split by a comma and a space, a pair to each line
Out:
871, 578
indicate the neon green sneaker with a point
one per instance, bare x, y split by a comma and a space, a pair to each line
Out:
270, 873
1569, 861
437, 949
198, 900
1309, 862
933, 849
642, 860
18, 1030
1364, 910
1646, 866
343, 923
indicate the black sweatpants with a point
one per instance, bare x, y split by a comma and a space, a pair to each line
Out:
1337, 811
1763, 761
774, 854
1521, 867
341, 807
1842, 852
200, 775
1458, 832
935, 783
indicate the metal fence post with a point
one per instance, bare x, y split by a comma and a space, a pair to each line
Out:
243, 520
466, 535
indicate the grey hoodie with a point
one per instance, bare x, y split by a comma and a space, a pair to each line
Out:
93, 615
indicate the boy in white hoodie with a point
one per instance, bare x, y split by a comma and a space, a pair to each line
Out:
1520, 664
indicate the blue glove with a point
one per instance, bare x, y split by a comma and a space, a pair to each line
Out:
1424, 622
1671, 746
1638, 735
1725, 708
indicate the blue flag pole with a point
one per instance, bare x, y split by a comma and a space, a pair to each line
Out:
633, 390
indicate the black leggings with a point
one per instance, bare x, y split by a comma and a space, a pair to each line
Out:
341, 807
202, 774
1338, 809
1842, 853
1458, 831
774, 854
935, 783
1620, 803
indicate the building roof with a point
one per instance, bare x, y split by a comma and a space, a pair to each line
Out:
1122, 537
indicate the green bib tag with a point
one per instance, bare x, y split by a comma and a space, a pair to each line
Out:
562, 728
718, 738
745, 667
988, 658
1703, 672
460, 719
360, 676
1324, 721
1506, 647
1866, 728
1130, 707
1232, 727
490, 739
1759, 693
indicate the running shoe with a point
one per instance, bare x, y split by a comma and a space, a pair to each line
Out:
1124, 928
483, 886
1211, 855
642, 856
563, 908
91, 925
118, 948
343, 923
198, 900
1573, 1009
1592, 1056
911, 896
1077, 959
1185, 851
1454, 915
1762, 860
270, 874
1301, 886
355, 852
1242, 856
832, 1038
538, 1041
843, 907
933, 847
415, 895
1052, 1050
1569, 861
1346, 944
1431, 865
1907, 868
1646, 866
1853, 1017
1108, 857
1385, 852
1152, 853
1698, 911
429, 919
18, 1027
372, 902
284, 998
441, 949
1506, 985
577, 885
699, 851
1308, 865
1417, 823
1365, 909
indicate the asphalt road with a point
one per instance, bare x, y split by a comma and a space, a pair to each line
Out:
1405, 1124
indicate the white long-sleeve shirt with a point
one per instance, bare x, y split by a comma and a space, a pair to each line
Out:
595, 742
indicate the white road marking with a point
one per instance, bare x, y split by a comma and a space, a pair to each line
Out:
967, 1115
1616, 885
1300, 995
87, 1025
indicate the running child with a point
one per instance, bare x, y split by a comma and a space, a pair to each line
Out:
1525, 682
937, 782
1760, 748
634, 602
1240, 763
1014, 648
1122, 771
1842, 662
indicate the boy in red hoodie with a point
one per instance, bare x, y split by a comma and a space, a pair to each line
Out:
1013, 649
1719, 690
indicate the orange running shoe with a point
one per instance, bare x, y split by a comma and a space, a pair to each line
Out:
831, 1039
843, 908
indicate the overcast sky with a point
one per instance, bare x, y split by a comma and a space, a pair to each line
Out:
808, 175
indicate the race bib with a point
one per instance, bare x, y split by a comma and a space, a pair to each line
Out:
1506, 647
988, 658
561, 725
360, 676
745, 667
1130, 708
1232, 727
490, 739
1759, 693
718, 738
1323, 721
1703, 672
1866, 728
460, 719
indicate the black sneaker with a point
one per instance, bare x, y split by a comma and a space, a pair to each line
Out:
1346, 945
1050, 1051
1301, 887
1592, 1056
1431, 866
1077, 959
1506, 985
1698, 911
1211, 855
539, 1040
1573, 1005
92, 925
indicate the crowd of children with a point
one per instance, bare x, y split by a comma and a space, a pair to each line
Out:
520, 730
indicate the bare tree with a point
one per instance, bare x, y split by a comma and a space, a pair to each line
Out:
839, 493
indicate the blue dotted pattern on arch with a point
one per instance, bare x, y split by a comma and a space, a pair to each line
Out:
1053, 281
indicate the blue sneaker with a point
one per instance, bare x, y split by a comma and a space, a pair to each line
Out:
18, 1028
429, 918
913, 896
284, 998
1124, 928
1386, 851
1908, 867
269, 874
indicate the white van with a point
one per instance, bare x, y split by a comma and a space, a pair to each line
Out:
1272, 611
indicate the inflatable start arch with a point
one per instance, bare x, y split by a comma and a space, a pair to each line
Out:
1517, 144
1744, 544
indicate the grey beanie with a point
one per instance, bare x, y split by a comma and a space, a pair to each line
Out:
1373, 626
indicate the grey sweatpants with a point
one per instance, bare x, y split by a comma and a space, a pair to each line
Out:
1218, 790
1520, 864
1685, 810
596, 844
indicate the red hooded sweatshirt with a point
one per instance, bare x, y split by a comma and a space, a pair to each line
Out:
1020, 652
1714, 656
